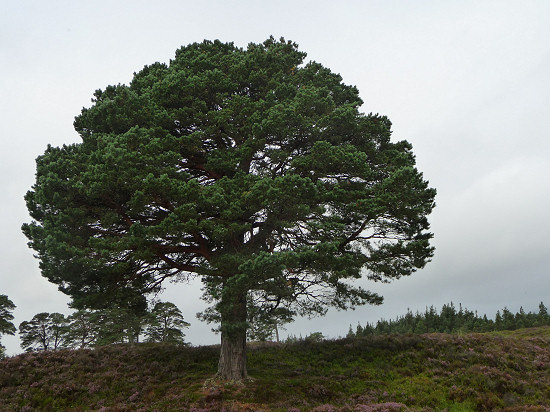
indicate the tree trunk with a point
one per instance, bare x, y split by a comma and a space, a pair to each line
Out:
232, 364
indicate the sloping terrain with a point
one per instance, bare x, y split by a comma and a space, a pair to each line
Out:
506, 371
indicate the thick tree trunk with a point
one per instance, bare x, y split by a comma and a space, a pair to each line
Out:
232, 364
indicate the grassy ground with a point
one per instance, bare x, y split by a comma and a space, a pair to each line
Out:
499, 371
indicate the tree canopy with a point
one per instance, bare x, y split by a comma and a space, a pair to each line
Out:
246, 167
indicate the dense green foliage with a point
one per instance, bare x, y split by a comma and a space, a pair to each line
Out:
433, 372
451, 320
246, 167
6, 325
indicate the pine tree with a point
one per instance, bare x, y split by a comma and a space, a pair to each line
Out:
248, 168
166, 324
6, 317
542, 317
45, 331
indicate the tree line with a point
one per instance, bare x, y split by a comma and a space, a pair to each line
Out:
453, 320
164, 322
86, 328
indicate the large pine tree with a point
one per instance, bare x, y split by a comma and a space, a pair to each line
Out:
245, 167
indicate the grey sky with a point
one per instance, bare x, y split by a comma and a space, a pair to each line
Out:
466, 82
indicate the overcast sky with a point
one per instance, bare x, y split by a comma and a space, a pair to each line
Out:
466, 82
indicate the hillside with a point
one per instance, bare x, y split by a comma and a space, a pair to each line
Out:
506, 371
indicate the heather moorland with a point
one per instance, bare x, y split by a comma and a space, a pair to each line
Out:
504, 370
